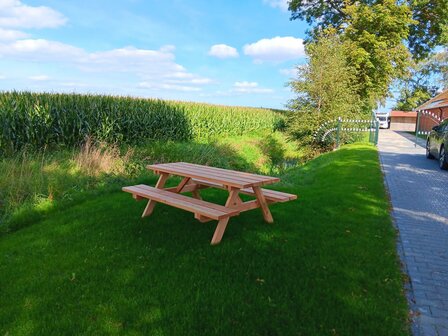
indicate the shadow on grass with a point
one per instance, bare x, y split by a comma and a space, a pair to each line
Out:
276, 153
327, 266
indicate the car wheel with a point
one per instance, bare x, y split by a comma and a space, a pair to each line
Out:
428, 150
443, 164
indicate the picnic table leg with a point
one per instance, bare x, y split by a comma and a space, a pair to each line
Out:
233, 201
196, 194
160, 184
263, 205
182, 184
219, 232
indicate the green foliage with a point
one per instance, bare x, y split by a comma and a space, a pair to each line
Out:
325, 88
413, 95
375, 35
425, 79
328, 266
428, 28
382, 34
38, 120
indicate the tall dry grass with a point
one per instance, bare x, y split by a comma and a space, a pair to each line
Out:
101, 158
30, 177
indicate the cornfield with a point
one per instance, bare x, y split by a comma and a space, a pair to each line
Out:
38, 120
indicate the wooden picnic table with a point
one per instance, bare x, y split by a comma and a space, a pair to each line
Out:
197, 177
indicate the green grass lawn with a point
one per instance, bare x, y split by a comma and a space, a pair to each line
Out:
327, 266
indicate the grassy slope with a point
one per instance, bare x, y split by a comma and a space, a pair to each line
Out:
55, 175
327, 266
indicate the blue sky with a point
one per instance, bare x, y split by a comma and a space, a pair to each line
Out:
225, 52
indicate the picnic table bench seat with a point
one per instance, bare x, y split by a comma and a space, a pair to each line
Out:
270, 195
204, 208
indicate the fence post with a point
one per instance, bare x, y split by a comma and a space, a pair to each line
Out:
417, 128
338, 132
372, 120
377, 131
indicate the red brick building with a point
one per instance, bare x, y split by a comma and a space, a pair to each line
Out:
437, 109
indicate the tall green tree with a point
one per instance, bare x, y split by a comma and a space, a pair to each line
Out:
426, 78
383, 35
428, 29
325, 88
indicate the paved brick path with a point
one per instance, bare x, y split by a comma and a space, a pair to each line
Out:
419, 194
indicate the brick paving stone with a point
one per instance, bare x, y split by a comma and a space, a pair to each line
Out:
419, 196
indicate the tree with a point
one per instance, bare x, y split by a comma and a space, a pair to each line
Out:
439, 67
375, 34
428, 29
386, 35
325, 88
426, 78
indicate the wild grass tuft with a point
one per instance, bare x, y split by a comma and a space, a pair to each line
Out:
100, 158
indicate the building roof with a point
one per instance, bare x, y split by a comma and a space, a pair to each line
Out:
403, 114
441, 100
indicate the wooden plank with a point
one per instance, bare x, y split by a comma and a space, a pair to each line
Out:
213, 174
202, 219
263, 205
249, 205
231, 174
151, 204
207, 209
180, 196
234, 200
138, 198
256, 177
188, 188
210, 184
219, 232
191, 172
271, 195
199, 175
196, 194
227, 177
182, 204
182, 184
228, 174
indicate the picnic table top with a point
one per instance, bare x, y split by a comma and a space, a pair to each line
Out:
225, 177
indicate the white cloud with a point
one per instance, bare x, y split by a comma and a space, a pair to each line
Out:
193, 81
131, 59
155, 69
165, 86
10, 35
40, 50
15, 14
39, 78
245, 84
289, 72
249, 87
281, 4
223, 51
277, 49
2, 77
